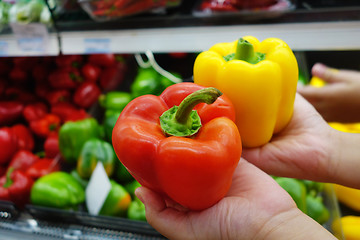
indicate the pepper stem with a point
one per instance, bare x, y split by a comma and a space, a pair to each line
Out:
245, 51
9, 181
182, 120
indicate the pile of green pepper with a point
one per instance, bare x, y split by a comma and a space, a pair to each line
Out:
307, 196
86, 142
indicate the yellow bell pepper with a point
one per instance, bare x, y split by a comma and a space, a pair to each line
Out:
260, 78
348, 196
351, 227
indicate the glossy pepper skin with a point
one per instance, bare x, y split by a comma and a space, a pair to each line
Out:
8, 143
263, 91
93, 151
194, 171
117, 202
45, 126
15, 186
115, 100
73, 135
10, 111
57, 190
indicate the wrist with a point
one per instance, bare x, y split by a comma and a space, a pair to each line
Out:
293, 224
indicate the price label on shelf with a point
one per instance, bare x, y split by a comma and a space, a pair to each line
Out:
4, 48
97, 45
32, 37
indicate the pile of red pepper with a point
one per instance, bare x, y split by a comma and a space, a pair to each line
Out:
38, 95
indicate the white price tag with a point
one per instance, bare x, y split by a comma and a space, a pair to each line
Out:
32, 37
97, 45
97, 190
4, 48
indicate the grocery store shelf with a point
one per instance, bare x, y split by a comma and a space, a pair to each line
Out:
341, 35
11, 46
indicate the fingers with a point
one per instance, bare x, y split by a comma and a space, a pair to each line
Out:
327, 74
166, 220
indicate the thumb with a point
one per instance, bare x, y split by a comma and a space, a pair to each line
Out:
329, 75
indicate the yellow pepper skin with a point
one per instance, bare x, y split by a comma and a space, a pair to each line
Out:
348, 196
262, 92
351, 227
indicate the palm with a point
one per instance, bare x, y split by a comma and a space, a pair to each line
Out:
298, 150
253, 195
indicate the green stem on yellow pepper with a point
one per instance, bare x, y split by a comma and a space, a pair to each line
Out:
245, 51
182, 120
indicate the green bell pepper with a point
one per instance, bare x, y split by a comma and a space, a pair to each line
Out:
110, 119
115, 100
316, 209
73, 135
83, 182
296, 190
117, 202
136, 210
122, 174
93, 151
146, 82
57, 190
131, 186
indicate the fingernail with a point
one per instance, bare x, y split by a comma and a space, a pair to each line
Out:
319, 69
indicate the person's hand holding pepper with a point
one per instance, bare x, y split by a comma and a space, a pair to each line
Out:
308, 148
338, 100
256, 207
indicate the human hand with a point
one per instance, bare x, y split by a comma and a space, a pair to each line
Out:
301, 150
339, 99
256, 207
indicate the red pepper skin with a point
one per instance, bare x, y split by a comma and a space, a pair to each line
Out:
25, 139
111, 78
65, 78
8, 143
34, 111
43, 167
19, 94
195, 172
18, 75
51, 146
73, 61
46, 125
102, 60
90, 72
22, 160
40, 73
2, 171
10, 111
58, 96
19, 191
86, 94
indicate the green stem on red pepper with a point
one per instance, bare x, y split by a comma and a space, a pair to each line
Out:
182, 120
9, 181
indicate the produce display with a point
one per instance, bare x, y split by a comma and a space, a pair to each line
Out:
23, 12
243, 82
101, 10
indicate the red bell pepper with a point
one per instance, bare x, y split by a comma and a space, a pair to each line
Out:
51, 146
65, 78
43, 167
46, 125
25, 139
18, 75
86, 94
103, 60
90, 72
10, 111
58, 96
15, 186
20, 94
22, 160
68, 112
193, 168
34, 111
73, 61
8, 143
